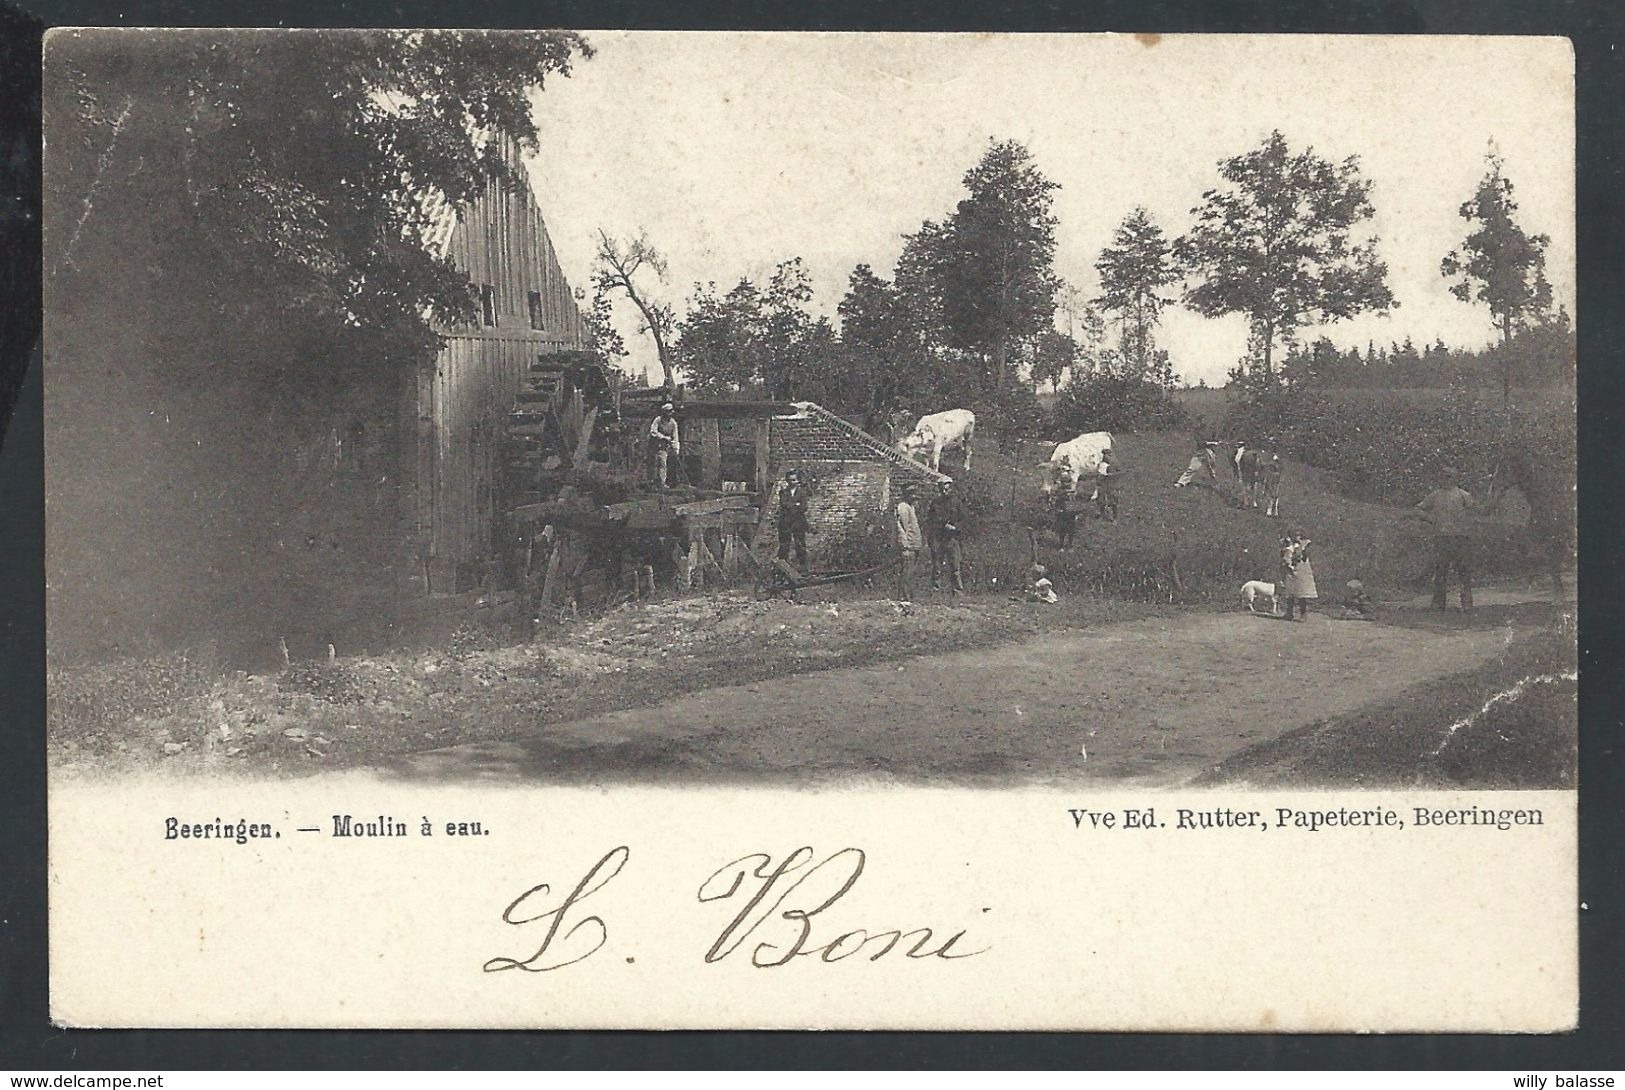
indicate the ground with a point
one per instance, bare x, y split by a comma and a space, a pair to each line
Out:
729, 689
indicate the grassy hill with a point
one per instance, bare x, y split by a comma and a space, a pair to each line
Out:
1194, 544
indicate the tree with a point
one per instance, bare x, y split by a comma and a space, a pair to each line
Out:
1133, 271
992, 262
599, 319
248, 266
788, 338
1277, 243
1499, 264
882, 348
247, 191
756, 341
618, 267
1053, 355
718, 337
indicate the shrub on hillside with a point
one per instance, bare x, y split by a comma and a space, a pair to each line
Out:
1110, 403
1390, 446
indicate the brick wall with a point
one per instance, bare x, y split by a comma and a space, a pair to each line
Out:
847, 513
854, 478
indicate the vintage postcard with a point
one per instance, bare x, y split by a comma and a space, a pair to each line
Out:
724, 530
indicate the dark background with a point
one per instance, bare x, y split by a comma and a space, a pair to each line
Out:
29, 1043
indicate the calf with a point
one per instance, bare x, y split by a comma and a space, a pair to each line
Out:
939, 432
1248, 462
1080, 456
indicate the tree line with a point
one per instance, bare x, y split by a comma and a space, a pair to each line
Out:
975, 307
257, 205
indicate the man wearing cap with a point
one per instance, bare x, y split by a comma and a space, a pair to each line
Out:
664, 443
793, 499
947, 523
1449, 508
1106, 477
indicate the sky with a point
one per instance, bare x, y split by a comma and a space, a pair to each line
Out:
737, 151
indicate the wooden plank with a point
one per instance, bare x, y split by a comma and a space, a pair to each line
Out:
722, 520
561, 541
731, 548
732, 502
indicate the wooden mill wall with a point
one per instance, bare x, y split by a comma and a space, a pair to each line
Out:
501, 241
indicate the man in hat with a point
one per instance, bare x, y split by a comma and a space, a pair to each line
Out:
793, 499
1449, 508
664, 443
1106, 476
947, 524
909, 543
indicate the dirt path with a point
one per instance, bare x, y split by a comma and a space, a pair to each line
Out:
1152, 702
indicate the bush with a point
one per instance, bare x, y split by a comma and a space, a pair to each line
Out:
1390, 445
1108, 403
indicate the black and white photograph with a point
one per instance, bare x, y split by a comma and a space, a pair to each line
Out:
499, 415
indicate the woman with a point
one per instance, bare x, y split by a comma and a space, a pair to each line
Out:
1296, 585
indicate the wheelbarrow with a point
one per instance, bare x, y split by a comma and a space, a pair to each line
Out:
777, 578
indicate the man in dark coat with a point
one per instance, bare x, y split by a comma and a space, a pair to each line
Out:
947, 525
1450, 510
793, 499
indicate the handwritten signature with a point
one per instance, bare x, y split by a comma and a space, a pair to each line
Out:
783, 907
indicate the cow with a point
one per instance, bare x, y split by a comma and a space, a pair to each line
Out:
1249, 465
937, 433
1081, 456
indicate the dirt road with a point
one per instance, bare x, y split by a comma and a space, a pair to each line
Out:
1148, 702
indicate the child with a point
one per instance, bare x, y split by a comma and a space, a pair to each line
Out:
1357, 604
1042, 590
1066, 518
1296, 584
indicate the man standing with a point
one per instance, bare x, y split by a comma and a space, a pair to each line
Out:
909, 543
1269, 478
947, 523
1450, 509
664, 443
793, 499
1106, 475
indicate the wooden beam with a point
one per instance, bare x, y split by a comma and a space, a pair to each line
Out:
732, 502
710, 441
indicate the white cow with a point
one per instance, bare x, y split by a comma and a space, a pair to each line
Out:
938, 432
1082, 455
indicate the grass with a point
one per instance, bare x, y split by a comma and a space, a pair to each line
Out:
1193, 545
1510, 724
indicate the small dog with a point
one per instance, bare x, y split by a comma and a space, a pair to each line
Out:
1253, 590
